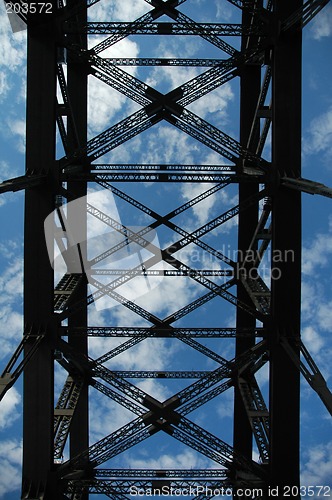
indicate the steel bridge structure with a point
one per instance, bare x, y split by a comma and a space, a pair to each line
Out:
262, 163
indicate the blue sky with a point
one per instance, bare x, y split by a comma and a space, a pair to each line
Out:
106, 107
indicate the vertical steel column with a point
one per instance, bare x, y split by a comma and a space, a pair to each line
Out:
286, 250
77, 130
249, 93
38, 274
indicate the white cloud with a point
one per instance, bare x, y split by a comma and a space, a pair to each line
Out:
9, 249
4, 85
325, 315
12, 50
11, 282
9, 411
317, 467
60, 376
179, 149
320, 135
203, 209
10, 462
316, 324
224, 11
186, 459
17, 128
309, 300
11, 324
104, 200
124, 48
12, 82
321, 26
101, 405
318, 253
312, 339
166, 79
11, 320
5, 171
126, 10
315, 258
316, 306
225, 406
155, 388
263, 375
214, 102
105, 102
160, 301
117, 10
127, 152
154, 353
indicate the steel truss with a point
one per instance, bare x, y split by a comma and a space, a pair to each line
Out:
267, 316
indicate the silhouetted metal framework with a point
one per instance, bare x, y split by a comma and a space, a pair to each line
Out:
268, 67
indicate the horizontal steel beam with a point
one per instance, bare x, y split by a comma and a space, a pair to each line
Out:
161, 177
164, 28
162, 272
160, 473
144, 167
159, 374
163, 332
163, 61
307, 186
22, 182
